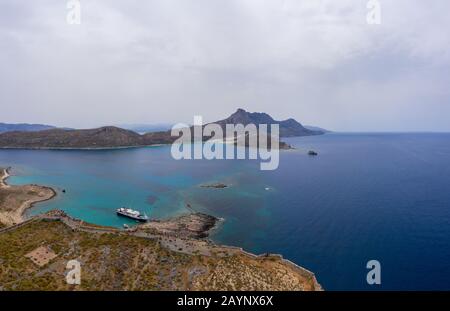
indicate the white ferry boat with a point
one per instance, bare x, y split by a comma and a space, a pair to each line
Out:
128, 212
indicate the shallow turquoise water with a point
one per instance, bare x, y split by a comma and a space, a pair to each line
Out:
366, 196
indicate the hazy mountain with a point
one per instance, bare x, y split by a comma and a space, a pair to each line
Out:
24, 127
146, 128
316, 128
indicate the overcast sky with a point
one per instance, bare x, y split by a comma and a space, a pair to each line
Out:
160, 61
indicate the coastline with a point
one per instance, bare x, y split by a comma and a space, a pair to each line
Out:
217, 267
187, 234
15, 215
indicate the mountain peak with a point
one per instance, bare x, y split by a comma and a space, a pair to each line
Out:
240, 111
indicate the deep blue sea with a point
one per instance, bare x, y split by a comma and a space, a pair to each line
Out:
366, 196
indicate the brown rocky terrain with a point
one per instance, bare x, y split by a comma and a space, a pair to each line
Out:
114, 259
194, 225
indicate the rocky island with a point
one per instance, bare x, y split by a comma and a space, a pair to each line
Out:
114, 137
114, 259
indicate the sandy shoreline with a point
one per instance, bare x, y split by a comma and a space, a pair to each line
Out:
12, 210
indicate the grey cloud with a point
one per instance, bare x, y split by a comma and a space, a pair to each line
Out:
166, 60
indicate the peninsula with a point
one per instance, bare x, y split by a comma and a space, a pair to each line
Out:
15, 200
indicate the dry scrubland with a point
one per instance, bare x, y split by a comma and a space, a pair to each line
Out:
122, 261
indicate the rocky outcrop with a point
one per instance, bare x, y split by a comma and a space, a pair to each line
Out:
115, 259
216, 186
194, 225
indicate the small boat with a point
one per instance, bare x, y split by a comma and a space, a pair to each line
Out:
128, 212
312, 153
125, 226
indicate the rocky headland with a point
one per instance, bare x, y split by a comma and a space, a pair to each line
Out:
15, 200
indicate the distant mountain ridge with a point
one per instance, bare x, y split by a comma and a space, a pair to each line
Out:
288, 128
115, 137
146, 128
24, 127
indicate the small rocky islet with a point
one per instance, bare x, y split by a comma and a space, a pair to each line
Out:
215, 186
